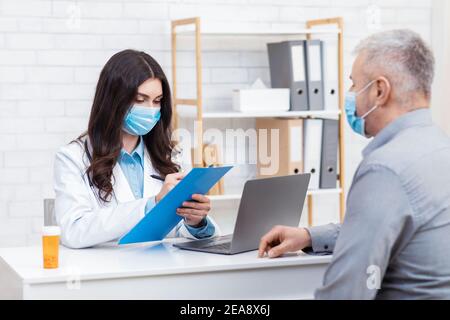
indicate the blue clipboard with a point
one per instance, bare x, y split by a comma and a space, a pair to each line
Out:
163, 217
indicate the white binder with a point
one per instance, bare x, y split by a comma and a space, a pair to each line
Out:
331, 61
312, 150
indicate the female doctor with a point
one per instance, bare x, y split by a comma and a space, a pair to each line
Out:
103, 179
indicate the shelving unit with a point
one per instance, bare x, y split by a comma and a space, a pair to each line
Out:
193, 108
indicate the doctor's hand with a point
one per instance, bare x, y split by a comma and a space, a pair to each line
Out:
281, 240
169, 183
195, 211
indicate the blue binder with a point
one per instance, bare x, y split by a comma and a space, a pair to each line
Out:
163, 217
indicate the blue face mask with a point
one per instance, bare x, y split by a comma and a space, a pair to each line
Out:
357, 123
140, 120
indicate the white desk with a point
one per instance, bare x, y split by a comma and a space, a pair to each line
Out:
157, 271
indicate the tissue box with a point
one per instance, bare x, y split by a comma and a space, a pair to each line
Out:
261, 100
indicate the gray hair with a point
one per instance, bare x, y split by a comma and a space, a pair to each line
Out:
404, 57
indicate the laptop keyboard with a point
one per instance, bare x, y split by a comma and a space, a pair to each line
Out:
219, 246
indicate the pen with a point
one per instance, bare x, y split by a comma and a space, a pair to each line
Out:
154, 176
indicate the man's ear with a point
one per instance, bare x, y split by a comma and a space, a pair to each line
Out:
384, 90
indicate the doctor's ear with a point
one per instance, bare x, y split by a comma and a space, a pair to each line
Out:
383, 87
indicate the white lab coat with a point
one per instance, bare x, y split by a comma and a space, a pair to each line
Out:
86, 221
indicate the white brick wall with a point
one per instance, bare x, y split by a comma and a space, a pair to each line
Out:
48, 73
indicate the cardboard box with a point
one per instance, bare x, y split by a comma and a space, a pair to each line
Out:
288, 151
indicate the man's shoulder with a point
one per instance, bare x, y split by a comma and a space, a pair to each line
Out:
419, 160
412, 147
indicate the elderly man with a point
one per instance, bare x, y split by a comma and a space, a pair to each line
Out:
395, 239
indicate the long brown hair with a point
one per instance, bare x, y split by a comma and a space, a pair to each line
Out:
115, 94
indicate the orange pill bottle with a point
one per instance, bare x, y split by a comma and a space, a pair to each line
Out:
50, 246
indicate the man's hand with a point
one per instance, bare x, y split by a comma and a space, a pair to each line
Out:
195, 211
169, 183
281, 240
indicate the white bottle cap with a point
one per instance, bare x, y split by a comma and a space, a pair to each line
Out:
51, 231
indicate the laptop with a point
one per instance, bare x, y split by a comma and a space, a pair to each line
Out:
265, 203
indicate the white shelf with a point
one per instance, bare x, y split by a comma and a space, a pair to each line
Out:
189, 111
319, 192
225, 197
260, 32
228, 197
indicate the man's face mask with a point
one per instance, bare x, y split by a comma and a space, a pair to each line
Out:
357, 123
